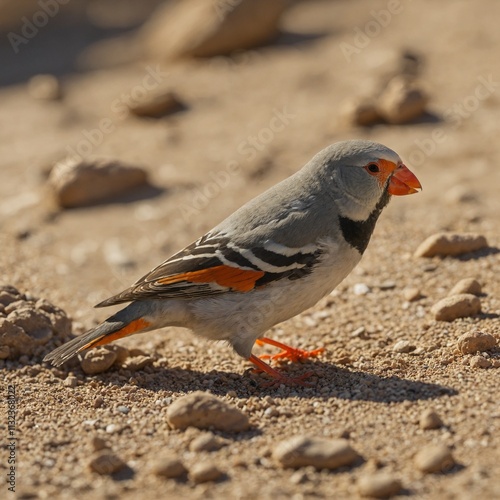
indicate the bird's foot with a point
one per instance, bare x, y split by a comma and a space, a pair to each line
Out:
278, 377
291, 353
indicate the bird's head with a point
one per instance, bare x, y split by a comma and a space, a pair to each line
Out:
365, 174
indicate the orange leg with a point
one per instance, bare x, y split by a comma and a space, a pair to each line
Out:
278, 377
287, 352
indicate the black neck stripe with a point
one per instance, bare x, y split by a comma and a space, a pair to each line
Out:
358, 233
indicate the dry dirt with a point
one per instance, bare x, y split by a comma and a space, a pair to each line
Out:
363, 390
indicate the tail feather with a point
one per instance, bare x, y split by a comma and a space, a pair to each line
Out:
103, 334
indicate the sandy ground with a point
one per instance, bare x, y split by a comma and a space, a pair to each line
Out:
362, 390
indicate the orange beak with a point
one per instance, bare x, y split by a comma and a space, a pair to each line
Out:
403, 181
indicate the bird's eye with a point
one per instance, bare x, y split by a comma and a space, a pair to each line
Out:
373, 168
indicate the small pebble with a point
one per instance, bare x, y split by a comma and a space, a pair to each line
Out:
387, 285
361, 289
451, 244
45, 87
479, 362
203, 410
402, 100
97, 360
470, 343
456, 306
98, 443
98, 402
430, 420
77, 183
112, 428
123, 409
106, 463
70, 381
137, 363
379, 485
302, 451
412, 294
169, 467
403, 346
156, 104
207, 442
360, 111
434, 458
4, 351
203, 472
467, 285
122, 353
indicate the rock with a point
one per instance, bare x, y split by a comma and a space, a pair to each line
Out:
106, 463
430, 420
122, 353
466, 285
403, 346
45, 87
34, 323
202, 410
156, 104
137, 363
7, 298
402, 101
97, 360
361, 112
201, 28
70, 381
361, 289
79, 183
202, 472
450, 244
456, 306
479, 362
434, 458
98, 443
11, 290
29, 324
16, 339
169, 467
379, 485
61, 324
207, 442
412, 294
301, 451
469, 343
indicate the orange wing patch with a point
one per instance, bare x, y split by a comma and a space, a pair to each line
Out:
232, 277
132, 327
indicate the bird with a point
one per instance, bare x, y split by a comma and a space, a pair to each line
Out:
272, 259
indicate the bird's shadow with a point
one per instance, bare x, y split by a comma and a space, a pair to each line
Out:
333, 383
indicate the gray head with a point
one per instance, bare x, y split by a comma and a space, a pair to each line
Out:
358, 174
